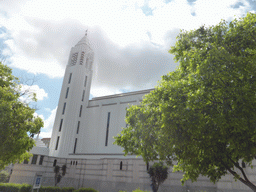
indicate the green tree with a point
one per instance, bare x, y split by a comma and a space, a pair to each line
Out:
204, 113
158, 174
59, 174
4, 176
17, 121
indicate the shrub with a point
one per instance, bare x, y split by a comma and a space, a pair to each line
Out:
9, 187
138, 190
25, 188
86, 190
67, 189
4, 176
50, 189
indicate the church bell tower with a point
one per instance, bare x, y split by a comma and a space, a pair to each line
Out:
73, 99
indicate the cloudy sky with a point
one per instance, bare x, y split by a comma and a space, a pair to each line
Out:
130, 38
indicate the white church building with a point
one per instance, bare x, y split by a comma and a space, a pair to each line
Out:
82, 138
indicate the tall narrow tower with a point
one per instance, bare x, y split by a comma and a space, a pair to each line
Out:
73, 99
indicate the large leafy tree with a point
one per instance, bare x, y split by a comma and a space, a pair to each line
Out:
204, 113
17, 121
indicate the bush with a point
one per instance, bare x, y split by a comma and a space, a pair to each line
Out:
25, 188
50, 189
67, 189
138, 190
13, 187
4, 176
86, 190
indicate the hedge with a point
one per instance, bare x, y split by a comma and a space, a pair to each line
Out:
86, 190
13, 187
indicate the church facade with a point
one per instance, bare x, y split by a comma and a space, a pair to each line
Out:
82, 138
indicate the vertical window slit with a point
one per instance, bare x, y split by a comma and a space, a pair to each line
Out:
67, 93
75, 146
106, 141
61, 121
78, 125
57, 143
54, 162
70, 76
81, 108
83, 95
64, 106
121, 165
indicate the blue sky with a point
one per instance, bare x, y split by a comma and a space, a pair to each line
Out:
130, 39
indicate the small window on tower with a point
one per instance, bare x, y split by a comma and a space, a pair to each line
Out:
74, 58
67, 93
69, 79
61, 121
81, 108
82, 58
83, 95
57, 143
75, 146
78, 126
64, 107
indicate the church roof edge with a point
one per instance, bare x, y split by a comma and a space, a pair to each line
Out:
123, 94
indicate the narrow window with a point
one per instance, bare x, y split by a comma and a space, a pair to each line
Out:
76, 162
61, 121
106, 141
71, 163
54, 162
57, 143
83, 95
81, 108
121, 165
67, 93
41, 160
85, 81
75, 146
70, 76
34, 159
64, 106
78, 125
25, 162
82, 58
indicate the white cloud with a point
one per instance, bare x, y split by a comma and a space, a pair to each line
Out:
46, 131
131, 49
29, 90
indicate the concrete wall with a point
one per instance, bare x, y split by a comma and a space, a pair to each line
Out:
104, 175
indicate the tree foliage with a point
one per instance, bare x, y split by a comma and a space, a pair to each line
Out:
59, 174
17, 121
202, 115
158, 174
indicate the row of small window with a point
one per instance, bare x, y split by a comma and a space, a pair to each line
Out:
121, 166
34, 160
74, 58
